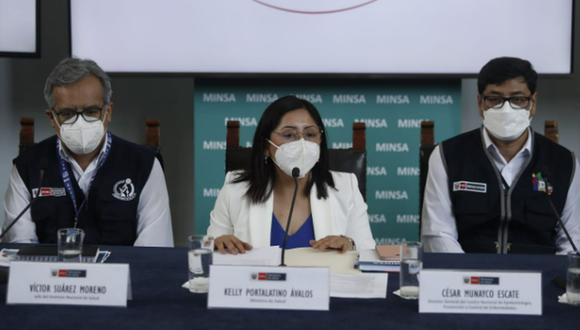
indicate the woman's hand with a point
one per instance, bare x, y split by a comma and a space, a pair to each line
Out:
231, 244
341, 243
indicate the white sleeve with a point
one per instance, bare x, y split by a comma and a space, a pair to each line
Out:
570, 216
16, 199
220, 221
153, 212
359, 228
438, 228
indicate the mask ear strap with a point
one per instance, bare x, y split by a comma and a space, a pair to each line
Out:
55, 119
272, 143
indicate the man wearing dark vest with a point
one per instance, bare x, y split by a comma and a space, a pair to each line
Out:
493, 189
84, 176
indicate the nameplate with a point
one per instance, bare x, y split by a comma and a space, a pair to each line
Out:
55, 283
263, 287
480, 292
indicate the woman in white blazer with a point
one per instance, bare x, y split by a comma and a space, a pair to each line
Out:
253, 206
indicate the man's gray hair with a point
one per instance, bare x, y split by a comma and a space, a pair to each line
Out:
71, 70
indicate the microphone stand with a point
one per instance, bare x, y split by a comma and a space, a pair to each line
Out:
559, 221
295, 174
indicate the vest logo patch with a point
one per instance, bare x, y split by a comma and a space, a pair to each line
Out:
539, 183
49, 192
478, 187
124, 190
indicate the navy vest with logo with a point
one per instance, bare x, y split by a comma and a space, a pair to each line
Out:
492, 217
109, 215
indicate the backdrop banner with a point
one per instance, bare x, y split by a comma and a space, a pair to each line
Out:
391, 110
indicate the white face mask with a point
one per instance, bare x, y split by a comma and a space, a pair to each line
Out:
507, 123
82, 137
301, 154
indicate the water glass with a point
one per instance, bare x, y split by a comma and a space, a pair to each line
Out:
573, 279
199, 259
411, 264
70, 244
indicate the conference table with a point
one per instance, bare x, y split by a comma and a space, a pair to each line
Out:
159, 302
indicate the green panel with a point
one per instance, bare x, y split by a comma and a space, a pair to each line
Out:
392, 112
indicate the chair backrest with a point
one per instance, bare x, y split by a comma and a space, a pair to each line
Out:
26, 134
351, 160
152, 136
551, 130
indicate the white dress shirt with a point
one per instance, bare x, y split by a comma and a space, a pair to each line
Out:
153, 213
439, 231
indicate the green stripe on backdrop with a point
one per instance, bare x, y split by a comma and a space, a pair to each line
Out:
391, 110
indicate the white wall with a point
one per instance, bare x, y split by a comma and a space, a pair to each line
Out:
170, 99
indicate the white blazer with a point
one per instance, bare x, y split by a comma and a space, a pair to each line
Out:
343, 212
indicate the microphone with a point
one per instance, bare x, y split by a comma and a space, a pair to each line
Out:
549, 190
295, 175
34, 198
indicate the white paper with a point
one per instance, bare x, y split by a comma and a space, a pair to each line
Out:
268, 256
358, 285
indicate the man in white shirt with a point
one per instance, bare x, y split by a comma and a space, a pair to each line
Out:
84, 176
497, 189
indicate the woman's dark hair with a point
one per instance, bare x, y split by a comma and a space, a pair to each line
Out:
502, 69
261, 173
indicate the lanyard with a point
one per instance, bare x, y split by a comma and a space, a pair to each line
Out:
66, 175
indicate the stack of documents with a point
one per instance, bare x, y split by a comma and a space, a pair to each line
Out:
369, 261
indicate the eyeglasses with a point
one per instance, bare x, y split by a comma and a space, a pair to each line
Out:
292, 134
69, 116
497, 101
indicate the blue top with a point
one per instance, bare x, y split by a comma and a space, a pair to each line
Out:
301, 238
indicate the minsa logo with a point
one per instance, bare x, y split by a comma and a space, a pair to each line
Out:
314, 7
244, 121
391, 195
393, 99
68, 273
392, 147
262, 276
373, 122
377, 218
341, 145
407, 218
349, 99
312, 98
407, 171
409, 123
333, 122
376, 171
261, 97
218, 98
214, 145
436, 99
390, 240
481, 280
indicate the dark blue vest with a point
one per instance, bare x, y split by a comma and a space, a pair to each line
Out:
515, 219
110, 214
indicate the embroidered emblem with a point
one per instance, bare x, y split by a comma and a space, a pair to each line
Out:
124, 190
478, 187
539, 183
49, 192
